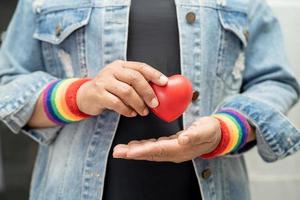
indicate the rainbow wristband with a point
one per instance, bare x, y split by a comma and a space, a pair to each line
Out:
234, 129
59, 101
225, 140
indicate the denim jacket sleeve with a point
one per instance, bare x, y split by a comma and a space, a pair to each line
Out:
269, 89
21, 75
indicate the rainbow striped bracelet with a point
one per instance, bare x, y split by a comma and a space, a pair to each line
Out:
234, 132
59, 101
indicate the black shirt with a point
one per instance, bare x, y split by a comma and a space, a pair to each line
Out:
153, 39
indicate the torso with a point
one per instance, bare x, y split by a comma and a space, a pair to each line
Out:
94, 34
153, 39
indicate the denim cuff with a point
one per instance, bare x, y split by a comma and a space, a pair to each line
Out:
20, 97
276, 136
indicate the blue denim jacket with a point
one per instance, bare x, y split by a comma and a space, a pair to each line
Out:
233, 53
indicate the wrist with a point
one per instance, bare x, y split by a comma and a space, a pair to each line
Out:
235, 131
217, 136
82, 97
60, 103
71, 97
251, 135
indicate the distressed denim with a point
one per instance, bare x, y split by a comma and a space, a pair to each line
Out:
233, 53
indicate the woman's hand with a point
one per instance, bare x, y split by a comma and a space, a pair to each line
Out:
202, 137
122, 86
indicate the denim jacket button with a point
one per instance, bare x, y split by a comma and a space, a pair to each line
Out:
195, 95
190, 17
206, 173
58, 30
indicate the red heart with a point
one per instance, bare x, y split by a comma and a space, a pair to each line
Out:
173, 98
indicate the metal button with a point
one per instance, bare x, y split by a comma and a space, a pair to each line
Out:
58, 30
195, 95
206, 173
190, 17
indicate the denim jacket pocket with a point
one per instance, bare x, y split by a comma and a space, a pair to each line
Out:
56, 26
61, 33
233, 40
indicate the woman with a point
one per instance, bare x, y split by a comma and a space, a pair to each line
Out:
75, 77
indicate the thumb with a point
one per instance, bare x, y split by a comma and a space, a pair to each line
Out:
186, 136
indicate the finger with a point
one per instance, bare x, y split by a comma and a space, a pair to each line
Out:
148, 140
161, 150
196, 135
163, 138
119, 146
175, 136
114, 103
120, 151
134, 142
128, 95
152, 140
139, 83
148, 72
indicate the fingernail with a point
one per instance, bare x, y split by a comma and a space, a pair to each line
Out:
118, 155
145, 112
154, 103
119, 152
133, 114
163, 79
183, 139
